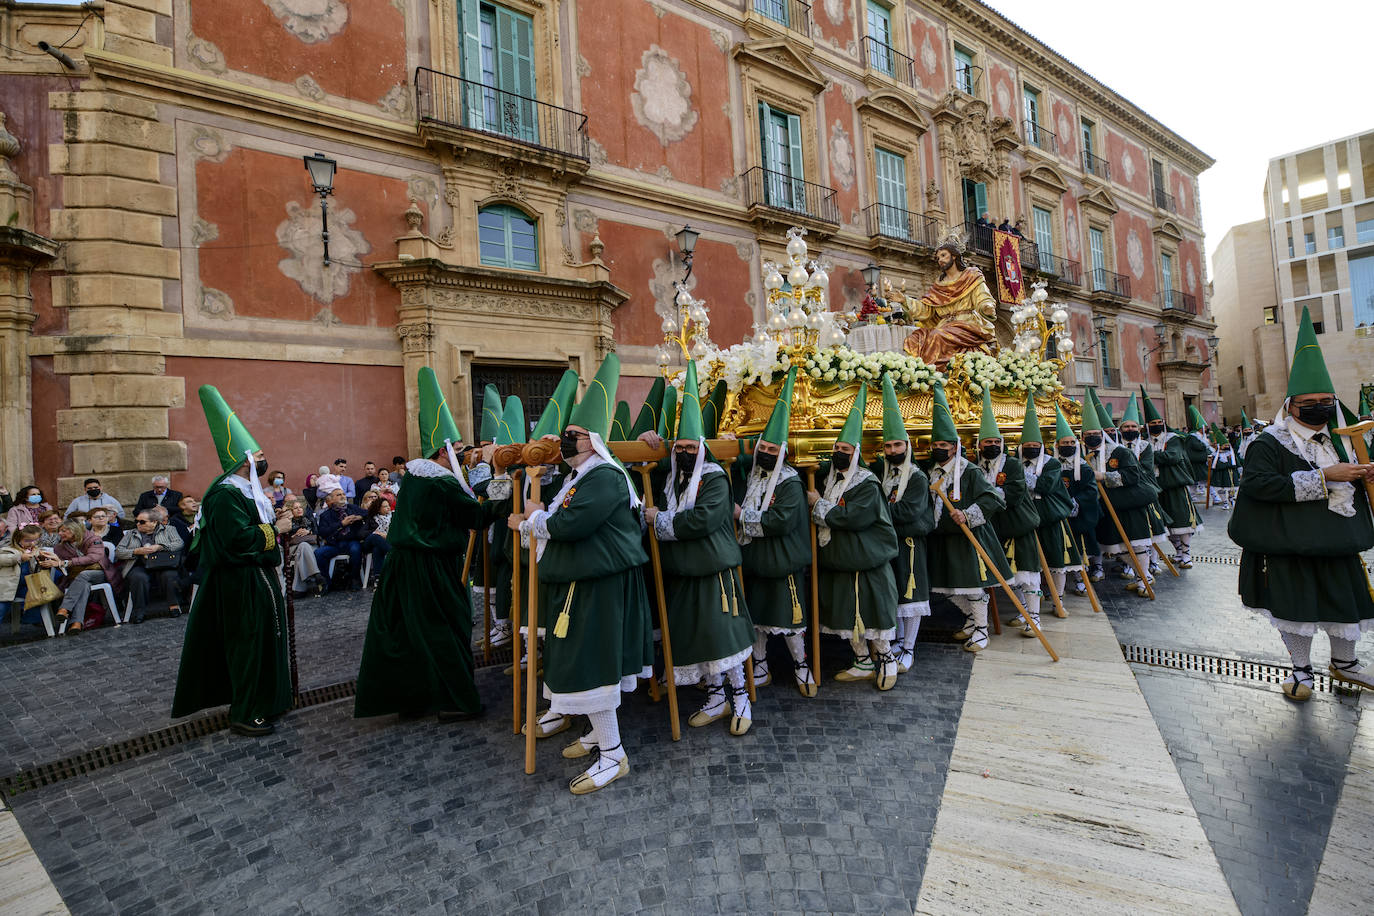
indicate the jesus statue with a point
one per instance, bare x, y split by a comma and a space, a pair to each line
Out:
955, 315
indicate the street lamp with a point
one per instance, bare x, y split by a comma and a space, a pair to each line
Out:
1213, 343
871, 274
321, 169
687, 244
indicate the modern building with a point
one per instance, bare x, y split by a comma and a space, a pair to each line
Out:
510, 178
1317, 240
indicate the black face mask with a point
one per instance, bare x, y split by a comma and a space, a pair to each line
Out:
897, 459
940, 455
840, 460
93, 492
1316, 414
684, 457
990, 452
567, 444
1067, 451
1031, 453
1157, 430
1130, 435
260, 467
1093, 440
766, 460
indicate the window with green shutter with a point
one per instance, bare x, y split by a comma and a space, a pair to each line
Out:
890, 170
880, 30
498, 64
785, 172
975, 200
1044, 237
506, 238
1166, 280
1097, 251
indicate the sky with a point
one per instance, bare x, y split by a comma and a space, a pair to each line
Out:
1243, 82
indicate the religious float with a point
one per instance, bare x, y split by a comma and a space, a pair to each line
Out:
956, 342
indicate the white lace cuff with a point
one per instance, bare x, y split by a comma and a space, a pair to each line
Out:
821, 510
1001, 492
1309, 486
499, 488
751, 522
537, 524
974, 516
663, 527
525, 534
479, 474
1113, 478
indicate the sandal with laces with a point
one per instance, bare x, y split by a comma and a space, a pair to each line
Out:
1298, 685
713, 710
603, 771
977, 640
1352, 672
806, 682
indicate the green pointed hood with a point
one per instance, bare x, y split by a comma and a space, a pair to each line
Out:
1132, 412
1151, 413
620, 424
233, 442
1364, 402
1101, 415
1030, 428
667, 414
894, 428
1195, 420
594, 412
853, 428
689, 421
492, 410
1308, 374
778, 424
712, 408
555, 415
987, 424
436, 421
1092, 422
647, 419
1062, 429
942, 428
511, 430
1244, 420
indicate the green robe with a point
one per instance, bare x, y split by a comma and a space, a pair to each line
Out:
417, 652
1130, 496
1197, 452
235, 649
858, 593
708, 615
1300, 562
599, 635
1224, 472
1083, 492
955, 566
1053, 504
775, 543
1174, 475
913, 517
1016, 524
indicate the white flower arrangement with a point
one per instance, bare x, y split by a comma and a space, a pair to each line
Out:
1007, 370
843, 366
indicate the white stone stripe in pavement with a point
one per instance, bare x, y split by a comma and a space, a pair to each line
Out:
25, 888
1345, 882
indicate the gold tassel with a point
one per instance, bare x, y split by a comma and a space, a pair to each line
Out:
734, 595
982, 568
1011, 554
796, 602
911, 568
724, 601
859, 628
560, 628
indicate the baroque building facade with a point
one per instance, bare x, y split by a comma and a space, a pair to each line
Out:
510, 179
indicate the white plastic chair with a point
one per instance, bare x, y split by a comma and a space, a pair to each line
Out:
367, 570
335, 562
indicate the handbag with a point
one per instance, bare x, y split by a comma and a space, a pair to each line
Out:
163, 559
41, 589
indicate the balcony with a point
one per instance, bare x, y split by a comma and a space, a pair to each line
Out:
1097, 166
793, 15
1176, 302
1040, 137
1107, 286
776, 197
889, 62
894, 224
1111, 378
967, 77
1065, 271
980, 241
1165, 201
470, 115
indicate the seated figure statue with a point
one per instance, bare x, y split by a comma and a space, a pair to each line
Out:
955, 315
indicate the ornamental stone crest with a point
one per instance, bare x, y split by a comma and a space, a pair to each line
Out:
299, 234
971, 139
841, 155
1127, 166
1135, 254
312, 21
662, 97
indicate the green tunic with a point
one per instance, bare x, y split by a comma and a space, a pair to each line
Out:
913, 517
955, 566
1197, 452
591, 584
1053, 505
858, 594
1130, 496
1300, 562
1016, 524
775, 542
1083, 492
1174, 475
1223, 471
417, 653
708, 615
235, 649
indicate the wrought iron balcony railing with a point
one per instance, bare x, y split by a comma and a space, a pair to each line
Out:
1174, 300
1040, 137
1068, 271
452, 101
794, 14
980, 240
1104, 281
967, 77
889, 61
780, 191
1165, 201
1096, 165
897, 223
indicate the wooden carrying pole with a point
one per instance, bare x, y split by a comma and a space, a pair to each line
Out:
656, 562
987, 561
486, 593
1049, 580
1357, 434
1208, 503
815, 589
1130, 550
531, 633
1083, 576
517, 501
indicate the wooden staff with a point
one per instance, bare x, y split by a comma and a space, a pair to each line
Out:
1130, 550
815, 589
657, 564
994, 615
486, 593
987, 561
1357, 434
531, 631
517, 497
467, 560
1049, 579
1083, 577
1208, 503
289, 578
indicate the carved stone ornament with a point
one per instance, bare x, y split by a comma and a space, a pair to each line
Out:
397, 101
206, 55
203, 231
596, 247
306, 86
416, 338
215, 303
299, 234
414, 216
207, 143
841, 156
584, 220
972, 134
662, 97
311, 21
510, 183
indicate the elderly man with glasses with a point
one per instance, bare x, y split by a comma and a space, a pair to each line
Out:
161, 494
150, 535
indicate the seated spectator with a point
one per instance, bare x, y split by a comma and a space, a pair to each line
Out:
325, 483
19, 557
51, 523
398, 471
184, 519
94, 496
84, 563
341, 531
386, 486
378, 523
161, 494
302, 540
99, 520
276, 489
149, 536
7, 501
28, 505
309, 491
369, 478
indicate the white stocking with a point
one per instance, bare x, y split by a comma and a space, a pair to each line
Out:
760, 645
1144, 560
796, 644
1061, 580
909, 637
1300, 648
606, 730
880, 646
1342, 650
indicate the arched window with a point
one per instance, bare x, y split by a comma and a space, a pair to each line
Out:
506, 238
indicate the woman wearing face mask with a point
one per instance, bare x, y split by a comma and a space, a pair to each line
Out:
28, 505
277, 490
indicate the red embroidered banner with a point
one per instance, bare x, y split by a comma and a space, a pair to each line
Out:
1006, 250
